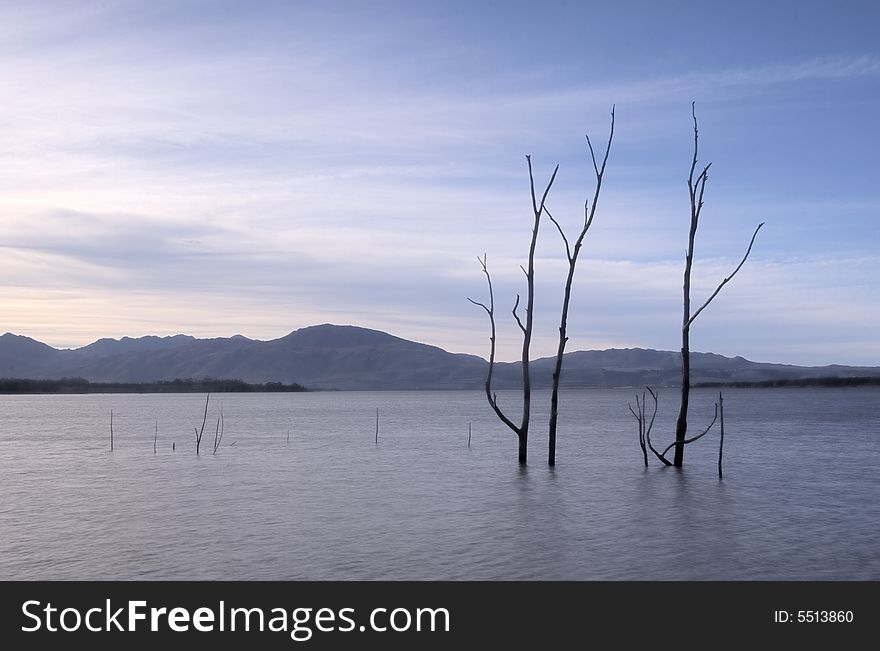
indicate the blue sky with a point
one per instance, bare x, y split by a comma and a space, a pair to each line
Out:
218, 168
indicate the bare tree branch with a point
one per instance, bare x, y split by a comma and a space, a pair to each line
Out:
490, 311
728, 279
698, 436
561, 234
640, 418
656, 397
477, 303
516, 316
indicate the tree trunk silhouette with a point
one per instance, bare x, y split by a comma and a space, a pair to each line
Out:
696, 187
572, 256
521, 430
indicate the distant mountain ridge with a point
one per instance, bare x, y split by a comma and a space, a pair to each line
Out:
353, 358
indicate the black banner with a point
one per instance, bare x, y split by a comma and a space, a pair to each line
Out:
310, 615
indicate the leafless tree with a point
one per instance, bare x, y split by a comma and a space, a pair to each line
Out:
521, 430
571, 254
645, 426
696, 187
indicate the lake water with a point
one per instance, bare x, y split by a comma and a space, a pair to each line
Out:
800, 498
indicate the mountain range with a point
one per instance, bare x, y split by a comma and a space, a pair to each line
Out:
352, 358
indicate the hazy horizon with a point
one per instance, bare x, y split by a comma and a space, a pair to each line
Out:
221, 168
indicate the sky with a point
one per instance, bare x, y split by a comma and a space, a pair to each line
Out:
216, 168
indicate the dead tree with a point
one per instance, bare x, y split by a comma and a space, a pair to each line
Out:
201, 431
571, 253
521, 430
644, 425
696, 187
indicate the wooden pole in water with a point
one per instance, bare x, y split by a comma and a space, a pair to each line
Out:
156, 436
469, 435
202, 431
111, 430
721, 442
288, 437
377, 426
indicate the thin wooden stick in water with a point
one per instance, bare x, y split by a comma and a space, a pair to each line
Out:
156, 436
721, 442
288, 437
469, 435
216, 436
221, 425
111, 430
202, 431
377, 426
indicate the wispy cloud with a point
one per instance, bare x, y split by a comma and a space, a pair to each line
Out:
164, 172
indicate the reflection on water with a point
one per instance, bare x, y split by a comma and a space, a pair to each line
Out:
799, 499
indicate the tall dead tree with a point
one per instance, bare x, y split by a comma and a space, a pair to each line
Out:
521, 430
696, 187
571, 254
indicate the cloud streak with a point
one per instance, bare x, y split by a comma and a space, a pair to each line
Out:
165, 171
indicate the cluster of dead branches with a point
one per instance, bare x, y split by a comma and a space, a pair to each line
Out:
645, 425
696, 187
572, 252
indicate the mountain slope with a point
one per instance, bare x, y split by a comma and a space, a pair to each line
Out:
348, 357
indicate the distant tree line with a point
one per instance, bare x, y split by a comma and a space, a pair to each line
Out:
832, 381
81, 385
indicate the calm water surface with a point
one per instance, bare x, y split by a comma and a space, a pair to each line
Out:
800, 498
